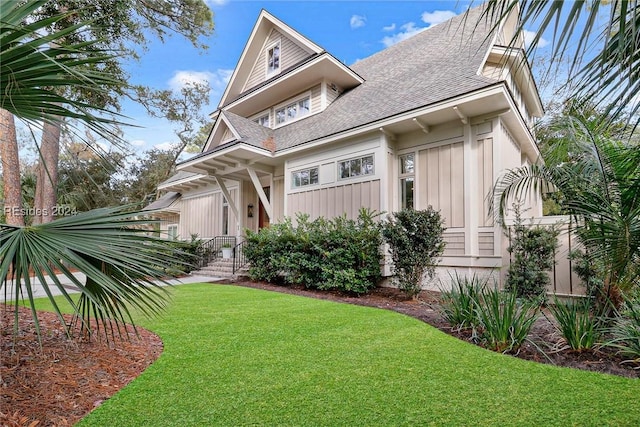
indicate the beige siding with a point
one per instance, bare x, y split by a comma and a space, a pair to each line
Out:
316, 99
440, 182
332, 94
335, 201
227, 135
202, 215
485, 243
485, 180
290, 54
492, 71
455, 243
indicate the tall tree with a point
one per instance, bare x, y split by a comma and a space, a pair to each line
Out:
184, 109
10, 169
118, 25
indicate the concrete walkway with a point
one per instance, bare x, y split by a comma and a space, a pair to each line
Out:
38, 289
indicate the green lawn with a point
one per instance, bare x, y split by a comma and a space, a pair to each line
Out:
240, 356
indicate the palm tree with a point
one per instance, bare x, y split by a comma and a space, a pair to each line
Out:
600, 40
122, 263
599, 181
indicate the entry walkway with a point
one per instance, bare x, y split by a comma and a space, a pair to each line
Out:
38, 289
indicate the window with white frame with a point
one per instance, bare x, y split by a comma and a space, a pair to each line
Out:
305, 177
407, 179
355, 167
273, 58
172, 231
263, 120
225, 216
293, 111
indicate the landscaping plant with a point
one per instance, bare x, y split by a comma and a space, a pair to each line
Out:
626, 331
580, 328
459, 304
341, 253
532, 250
505, 320
416, 244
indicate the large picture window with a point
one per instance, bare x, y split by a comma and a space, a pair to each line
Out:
304, 177
293, 111
356, 167
273, 58
407, 178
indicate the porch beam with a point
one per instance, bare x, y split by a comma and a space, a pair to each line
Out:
261, 194
227, 195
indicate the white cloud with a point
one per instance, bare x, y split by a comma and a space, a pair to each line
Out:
408, 30
138, 143
530, 35
437, 16
216, 2
357, 21
164, 146
183, 77
389, 27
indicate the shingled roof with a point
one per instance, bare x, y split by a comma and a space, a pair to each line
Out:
439, 63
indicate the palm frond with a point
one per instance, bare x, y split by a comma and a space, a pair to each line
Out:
123, 264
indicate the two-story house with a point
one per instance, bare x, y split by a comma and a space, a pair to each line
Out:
432, 120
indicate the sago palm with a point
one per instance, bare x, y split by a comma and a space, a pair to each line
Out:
600, 187
111, 247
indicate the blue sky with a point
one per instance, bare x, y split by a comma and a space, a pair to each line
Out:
350, 30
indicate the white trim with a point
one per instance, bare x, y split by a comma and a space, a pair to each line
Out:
375, 126
310, 64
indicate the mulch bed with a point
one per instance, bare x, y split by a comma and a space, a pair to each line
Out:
58, 384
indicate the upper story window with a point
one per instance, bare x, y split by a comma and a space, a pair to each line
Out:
304, 177
273, 58
356, 167
293, 111
263, 120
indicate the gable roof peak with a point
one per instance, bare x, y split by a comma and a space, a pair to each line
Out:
265, 23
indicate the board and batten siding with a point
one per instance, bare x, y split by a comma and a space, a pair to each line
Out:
485, 180
290, 54
330, 202
440, 176
202, 215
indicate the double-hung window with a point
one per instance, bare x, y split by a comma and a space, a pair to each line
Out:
356, 167
273, 58
407, 178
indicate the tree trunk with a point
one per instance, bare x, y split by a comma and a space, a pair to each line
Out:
13, 209
47, 176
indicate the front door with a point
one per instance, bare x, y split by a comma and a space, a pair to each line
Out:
263, 218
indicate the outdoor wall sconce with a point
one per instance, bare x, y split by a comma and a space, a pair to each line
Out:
250, 210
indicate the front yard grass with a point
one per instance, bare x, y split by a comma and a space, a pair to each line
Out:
241, 356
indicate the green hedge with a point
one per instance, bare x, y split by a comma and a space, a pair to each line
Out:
337, 254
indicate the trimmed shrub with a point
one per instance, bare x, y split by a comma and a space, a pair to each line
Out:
532, 250
337, 254
416, 244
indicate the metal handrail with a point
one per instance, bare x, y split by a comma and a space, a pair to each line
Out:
239, 259
212, 248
